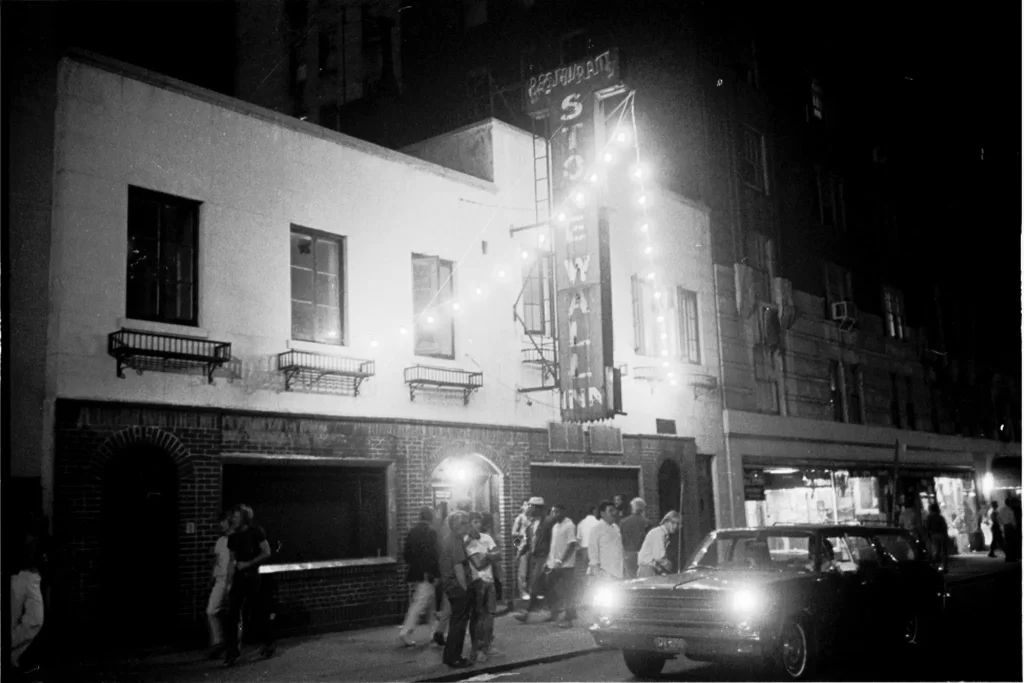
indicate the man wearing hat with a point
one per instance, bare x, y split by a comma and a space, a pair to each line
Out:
538, 545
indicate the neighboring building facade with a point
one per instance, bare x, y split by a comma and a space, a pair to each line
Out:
324, 329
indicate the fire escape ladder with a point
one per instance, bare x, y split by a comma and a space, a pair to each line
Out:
542, 351
541, 172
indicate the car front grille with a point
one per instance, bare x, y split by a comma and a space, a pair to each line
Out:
664, 608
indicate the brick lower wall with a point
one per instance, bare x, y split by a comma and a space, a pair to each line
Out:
90, 435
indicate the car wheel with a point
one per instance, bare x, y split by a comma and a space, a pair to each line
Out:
644, 664
794, 655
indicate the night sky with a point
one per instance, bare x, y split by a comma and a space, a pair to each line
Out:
958, 75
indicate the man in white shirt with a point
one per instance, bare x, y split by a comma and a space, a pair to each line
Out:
216, 603
606, 555
27, 609
653, 559
562, 565
583, 530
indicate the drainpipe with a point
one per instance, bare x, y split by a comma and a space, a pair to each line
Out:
721, 385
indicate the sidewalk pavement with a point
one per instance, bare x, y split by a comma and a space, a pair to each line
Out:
365, 655
375, 655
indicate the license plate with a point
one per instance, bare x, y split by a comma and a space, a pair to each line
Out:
676, 645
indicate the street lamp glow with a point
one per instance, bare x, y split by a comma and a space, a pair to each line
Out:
987, 484
455, 305
648, 249
526, 254
609, 157
645, 227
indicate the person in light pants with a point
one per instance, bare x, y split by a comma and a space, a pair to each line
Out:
420, 554
218, 594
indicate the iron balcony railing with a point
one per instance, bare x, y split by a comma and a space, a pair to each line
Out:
420, 376
313, 369
141, 350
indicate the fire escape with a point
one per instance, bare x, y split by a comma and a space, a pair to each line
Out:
534, 308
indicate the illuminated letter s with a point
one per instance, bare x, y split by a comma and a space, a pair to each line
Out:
571, 106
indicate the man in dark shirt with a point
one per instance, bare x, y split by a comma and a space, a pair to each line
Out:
539, 547
455, 580
249, 549
634, 529
424, 569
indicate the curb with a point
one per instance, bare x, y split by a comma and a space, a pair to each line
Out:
464, 674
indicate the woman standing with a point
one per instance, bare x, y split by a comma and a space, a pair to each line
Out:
653, 558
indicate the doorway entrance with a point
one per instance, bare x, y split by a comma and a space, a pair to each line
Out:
471, 478
139, 547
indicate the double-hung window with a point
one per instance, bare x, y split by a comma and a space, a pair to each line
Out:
895, 322
163, 258
317, 263
689, 326
753, 168
433, 299
655, 325
838, 284
817, 100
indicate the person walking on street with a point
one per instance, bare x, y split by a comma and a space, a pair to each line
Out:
606, 554
27, 608
997, 531
519, 540
583, 531
653, 558
420, 554
938, 535
483, 556
249, 549
1011, 536
221, 587
455, 581
634, 528
561, 565
442, 610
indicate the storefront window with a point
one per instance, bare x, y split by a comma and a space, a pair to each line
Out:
788, 495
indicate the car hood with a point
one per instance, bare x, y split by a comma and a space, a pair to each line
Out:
705, 580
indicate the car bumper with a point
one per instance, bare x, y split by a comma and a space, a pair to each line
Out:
718, 644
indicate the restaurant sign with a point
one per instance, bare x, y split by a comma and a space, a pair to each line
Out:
587, 377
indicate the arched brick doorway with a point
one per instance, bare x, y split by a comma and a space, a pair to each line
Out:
139, 546
470, 476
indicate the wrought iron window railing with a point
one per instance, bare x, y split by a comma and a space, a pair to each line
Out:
331, 374
163, 352
420, 376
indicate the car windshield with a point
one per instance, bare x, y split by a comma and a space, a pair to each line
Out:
759, 550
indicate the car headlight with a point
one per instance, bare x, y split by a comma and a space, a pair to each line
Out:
746, 601
607, 597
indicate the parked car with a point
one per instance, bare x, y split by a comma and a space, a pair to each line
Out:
784, 596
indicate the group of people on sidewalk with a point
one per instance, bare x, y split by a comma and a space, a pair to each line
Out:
933, 530
556, 557
456, 581
454, 568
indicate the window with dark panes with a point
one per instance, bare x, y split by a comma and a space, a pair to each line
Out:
317, 296
317, 512
835, 390
327, 51
163, 262
689, 327
752, 159
537, 296
853, 391
432, 298
895, 325
817, 100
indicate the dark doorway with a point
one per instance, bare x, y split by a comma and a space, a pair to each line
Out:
669, 487
580, 488
705, 496
138, 565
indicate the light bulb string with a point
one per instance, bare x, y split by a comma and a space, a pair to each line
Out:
430, 305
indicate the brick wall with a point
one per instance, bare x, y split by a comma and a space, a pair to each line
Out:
89, 435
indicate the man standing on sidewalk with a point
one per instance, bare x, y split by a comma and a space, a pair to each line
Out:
221, 588
1011, 536
539, 547
455, 580
562, 565
249, 549
634, 530
519, 540
421, 555
606, 545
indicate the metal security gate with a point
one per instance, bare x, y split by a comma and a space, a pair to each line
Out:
580, 487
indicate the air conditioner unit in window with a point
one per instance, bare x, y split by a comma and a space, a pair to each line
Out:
844, 314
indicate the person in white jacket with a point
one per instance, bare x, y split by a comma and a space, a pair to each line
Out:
653, 558
26, 608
